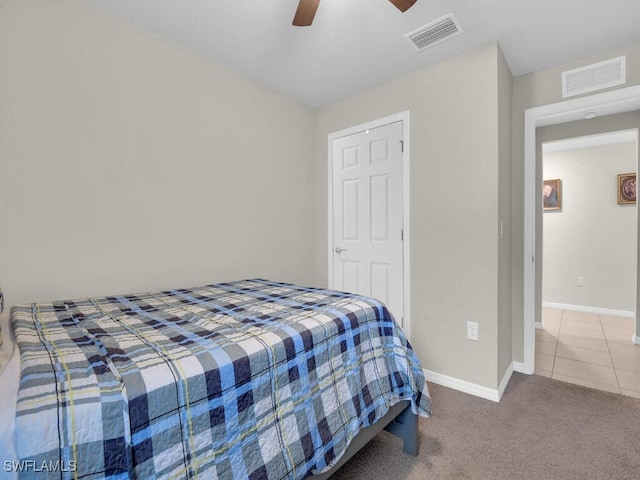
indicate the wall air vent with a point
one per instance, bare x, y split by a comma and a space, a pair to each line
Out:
435, 32
594, 77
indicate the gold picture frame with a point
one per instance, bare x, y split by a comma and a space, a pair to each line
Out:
626, 189
552, 195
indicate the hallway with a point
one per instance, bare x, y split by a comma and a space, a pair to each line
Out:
590, 350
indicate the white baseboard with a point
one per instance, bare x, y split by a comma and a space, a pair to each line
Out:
636, 339
472, 388
505, 381
519, 367
585, 309
539, 326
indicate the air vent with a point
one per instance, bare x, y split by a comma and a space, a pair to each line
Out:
435, 32
594, 77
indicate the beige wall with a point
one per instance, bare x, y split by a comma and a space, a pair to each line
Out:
609, 123
454, 201
127, 163
120, 152
529, 91
505, 344
592, 236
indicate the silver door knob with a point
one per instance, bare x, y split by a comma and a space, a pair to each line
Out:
340, 250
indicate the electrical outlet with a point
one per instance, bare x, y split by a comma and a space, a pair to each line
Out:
580, 281
472, 330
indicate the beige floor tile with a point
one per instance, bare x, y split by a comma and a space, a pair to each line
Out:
581, 316
620, 329
551, 325
579, 341
551, 315
546, 336
630, 393
551, 312
629, 380
587, 383
628, 349
626, 362
586, 371
544, 362
546, 348
623, 332
617, 322
579, 325
584, 355
582, 332
618, 336
591, 350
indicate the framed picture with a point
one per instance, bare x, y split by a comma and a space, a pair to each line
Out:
626, 188
552, 195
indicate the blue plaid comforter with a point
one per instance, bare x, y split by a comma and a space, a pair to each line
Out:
251, 379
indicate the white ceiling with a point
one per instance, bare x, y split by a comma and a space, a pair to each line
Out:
354, 45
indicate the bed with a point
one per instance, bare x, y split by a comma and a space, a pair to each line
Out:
249, 379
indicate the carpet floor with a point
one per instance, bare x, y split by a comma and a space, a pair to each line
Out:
541, 429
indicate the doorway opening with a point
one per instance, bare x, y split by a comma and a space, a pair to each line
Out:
616, 101
589, 245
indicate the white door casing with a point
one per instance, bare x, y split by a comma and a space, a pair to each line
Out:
606, 103
367, 212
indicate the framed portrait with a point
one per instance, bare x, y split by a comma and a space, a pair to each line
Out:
626, 188
552, 195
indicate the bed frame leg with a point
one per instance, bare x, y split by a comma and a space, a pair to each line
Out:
405, 426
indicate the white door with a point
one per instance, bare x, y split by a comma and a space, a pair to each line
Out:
367, 207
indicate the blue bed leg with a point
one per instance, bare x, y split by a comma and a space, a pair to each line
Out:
405, 426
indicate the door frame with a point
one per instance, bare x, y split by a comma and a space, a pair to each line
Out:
404, 118
607, 103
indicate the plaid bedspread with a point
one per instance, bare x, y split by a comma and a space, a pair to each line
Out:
251, 379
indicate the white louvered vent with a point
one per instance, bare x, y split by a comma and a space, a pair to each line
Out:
435, 32
594, 77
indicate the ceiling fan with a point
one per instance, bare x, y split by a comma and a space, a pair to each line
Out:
307, 10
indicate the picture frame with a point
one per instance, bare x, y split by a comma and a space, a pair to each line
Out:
627, 189
552, 195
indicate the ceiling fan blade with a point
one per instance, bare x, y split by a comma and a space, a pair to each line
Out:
403, 5
305, 13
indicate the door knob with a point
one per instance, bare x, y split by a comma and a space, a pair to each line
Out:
340, 250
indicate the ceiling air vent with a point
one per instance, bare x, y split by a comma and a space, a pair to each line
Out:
435, 32
594, 77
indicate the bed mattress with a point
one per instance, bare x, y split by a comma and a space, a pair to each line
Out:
248, 379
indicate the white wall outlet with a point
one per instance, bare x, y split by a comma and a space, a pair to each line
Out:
472, 330
580, 281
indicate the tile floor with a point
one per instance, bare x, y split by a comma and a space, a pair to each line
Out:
588, 349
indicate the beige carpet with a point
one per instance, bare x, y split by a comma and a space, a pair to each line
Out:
542, 429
